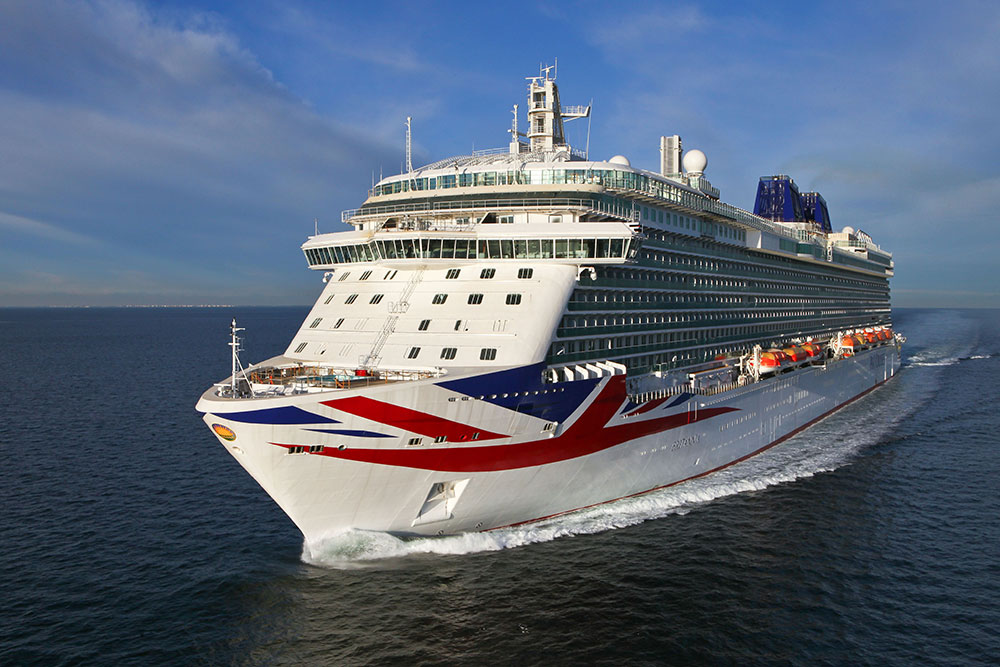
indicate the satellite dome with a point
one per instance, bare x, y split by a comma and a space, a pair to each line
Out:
620, 159
694, 162
847, 230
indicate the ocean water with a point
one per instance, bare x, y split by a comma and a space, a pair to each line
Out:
128, 535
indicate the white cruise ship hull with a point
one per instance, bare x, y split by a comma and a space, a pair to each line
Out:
510, 449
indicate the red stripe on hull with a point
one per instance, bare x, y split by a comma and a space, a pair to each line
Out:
588, 435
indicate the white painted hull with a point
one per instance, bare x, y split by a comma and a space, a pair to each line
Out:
596, 454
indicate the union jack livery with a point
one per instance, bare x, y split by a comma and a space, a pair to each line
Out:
523, 332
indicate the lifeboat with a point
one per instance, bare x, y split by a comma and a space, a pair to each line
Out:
849, 345
814, 351
872, 338
771, 361
796, 355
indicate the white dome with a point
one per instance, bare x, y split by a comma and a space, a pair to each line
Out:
620, 159
694, 162
847, 230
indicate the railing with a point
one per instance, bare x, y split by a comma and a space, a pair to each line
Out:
487, 204
490, 151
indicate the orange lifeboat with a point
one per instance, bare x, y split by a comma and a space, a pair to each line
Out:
796, 354
870, 335
771, 361
814, 351
849, 344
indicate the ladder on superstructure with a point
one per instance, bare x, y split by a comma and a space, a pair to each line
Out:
397, 308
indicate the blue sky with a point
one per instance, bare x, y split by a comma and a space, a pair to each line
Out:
178, 152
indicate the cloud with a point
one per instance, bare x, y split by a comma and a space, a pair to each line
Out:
22, 225
168, 142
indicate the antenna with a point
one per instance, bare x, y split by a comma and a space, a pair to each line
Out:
589, 117
409, 147
316, 226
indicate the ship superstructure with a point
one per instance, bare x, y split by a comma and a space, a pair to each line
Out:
525, 331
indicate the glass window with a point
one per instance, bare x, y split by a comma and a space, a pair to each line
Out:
452, 274
486, 274
337, 324
507, 248
412, 353
547, 250
423, 325
521, 249
494, 246
513, 299
525, 274
448, 352
439, 298
475, 299
349, 300
376, 299
316, 323
488, 353
301, 347
366, 275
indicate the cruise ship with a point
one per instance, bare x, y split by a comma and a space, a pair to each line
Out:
523, 332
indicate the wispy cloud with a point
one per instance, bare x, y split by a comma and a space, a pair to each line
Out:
163, 138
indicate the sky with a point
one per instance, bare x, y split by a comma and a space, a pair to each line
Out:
180, 152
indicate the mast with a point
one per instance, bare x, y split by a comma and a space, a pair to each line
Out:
234, 343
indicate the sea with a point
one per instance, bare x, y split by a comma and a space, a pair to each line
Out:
128, 535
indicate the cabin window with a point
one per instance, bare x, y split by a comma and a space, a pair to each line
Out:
449, 352
315, 323
350, 299
452, 274
488, 353
513, 299
486, 274
412, 353
439, 298
366, 275
329, 298
525, 274
376, 299
475, 299
337, 324
423, 325
301, 347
